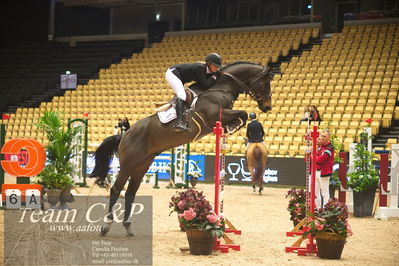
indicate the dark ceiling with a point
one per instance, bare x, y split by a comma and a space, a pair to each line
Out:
120, 3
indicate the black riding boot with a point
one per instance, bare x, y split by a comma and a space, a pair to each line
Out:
180, 123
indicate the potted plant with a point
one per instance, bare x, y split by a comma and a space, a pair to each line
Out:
196, 217
194, 173
363, 181
329, 225
296, 205
194, 178
55, 185
202, 224
56, 177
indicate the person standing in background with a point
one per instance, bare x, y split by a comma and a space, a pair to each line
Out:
255, 130
324, 168
125, 125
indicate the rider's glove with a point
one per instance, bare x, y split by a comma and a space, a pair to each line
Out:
216, 75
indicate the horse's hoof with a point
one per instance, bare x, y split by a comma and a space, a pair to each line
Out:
129, 232
104, 230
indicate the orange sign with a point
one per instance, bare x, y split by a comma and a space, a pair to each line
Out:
36, 155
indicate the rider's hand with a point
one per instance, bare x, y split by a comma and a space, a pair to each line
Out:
216, 75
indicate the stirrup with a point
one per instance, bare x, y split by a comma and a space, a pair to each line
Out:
180, 127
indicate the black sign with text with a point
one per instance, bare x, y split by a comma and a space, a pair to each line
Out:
279, 171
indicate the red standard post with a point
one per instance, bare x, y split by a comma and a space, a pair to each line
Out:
384, 179
311, 246
218, 130
342, 176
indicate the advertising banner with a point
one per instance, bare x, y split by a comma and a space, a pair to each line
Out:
279, 171
196, 165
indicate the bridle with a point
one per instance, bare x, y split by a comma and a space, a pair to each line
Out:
255, 95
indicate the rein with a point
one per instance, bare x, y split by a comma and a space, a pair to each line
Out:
254, 96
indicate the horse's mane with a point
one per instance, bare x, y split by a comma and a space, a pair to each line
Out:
237, 63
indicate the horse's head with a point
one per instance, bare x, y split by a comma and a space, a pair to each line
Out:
252, 79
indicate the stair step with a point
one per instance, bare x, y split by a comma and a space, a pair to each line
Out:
12, 109
386, 136
378, 145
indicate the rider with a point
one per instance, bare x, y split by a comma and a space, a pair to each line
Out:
204, 75
255, 131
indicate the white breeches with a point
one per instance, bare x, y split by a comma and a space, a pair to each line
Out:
322, 189
176, 84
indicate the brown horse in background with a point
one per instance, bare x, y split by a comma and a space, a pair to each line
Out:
256, 156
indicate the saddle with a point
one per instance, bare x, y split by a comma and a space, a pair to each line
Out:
166, 111
190, 95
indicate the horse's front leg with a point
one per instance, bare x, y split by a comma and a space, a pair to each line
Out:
233, 120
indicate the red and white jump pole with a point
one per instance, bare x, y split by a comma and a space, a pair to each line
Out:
311, 247
218, 130
219, 190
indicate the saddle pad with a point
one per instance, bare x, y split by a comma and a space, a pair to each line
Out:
167, 116
170, 113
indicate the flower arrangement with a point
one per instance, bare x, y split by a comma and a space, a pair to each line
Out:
333, 218
296, 205
195, 212
194, 174
184, 200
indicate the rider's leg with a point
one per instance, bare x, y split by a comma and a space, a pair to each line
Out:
180, 124
178, 88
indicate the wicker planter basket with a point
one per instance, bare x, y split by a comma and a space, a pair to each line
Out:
330, 245
53, 197
200, 243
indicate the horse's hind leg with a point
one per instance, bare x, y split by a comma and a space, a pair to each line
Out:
252, 178
134, 184
114, 195
260, 187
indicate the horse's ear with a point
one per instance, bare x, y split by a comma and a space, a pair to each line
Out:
270, 72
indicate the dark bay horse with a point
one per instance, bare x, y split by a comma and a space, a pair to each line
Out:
256, 156
148, 137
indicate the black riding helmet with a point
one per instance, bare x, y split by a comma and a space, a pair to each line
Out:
252, 115
214, 58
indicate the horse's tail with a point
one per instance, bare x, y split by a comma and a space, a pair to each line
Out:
103, 156
257, 170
